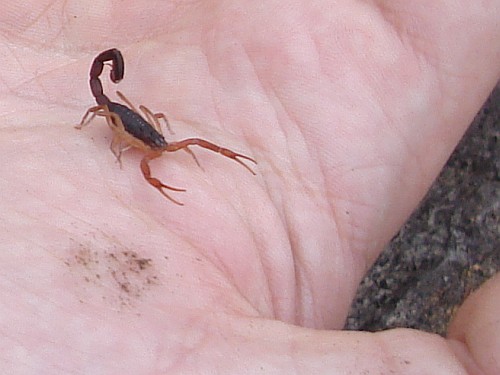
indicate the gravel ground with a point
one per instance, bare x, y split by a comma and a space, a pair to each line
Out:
449, 246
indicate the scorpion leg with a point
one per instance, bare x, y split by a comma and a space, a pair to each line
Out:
126, 101
184, 144
117, 148
114, 122
92, 112
117, 145
157, 184
154, 119
112, 119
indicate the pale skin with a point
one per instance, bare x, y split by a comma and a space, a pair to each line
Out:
350, 109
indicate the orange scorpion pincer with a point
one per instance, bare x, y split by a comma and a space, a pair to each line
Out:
130, 129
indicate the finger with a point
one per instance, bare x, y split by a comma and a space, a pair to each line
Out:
276, 348
475, 331
419, 104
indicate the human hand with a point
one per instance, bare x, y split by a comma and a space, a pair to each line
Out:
349, 109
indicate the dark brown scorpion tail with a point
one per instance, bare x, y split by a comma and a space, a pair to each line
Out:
116, 74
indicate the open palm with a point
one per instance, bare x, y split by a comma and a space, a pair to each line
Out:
350, 110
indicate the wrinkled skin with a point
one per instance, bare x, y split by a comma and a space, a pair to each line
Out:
350, 108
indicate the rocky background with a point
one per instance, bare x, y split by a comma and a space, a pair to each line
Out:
450, 245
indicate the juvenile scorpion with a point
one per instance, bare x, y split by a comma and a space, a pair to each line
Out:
130, 129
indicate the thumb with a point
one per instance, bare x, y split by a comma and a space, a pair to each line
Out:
475, 331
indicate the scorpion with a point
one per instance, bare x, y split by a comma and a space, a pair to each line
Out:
131, 130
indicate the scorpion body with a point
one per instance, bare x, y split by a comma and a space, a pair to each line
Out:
133, 130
